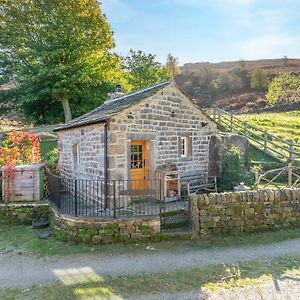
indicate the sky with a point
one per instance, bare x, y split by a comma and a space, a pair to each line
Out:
206, 30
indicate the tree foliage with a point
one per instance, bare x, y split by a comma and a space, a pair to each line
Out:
172, 65
57, 51
284, 88
234, 170
142, 70
259, 79
229, 82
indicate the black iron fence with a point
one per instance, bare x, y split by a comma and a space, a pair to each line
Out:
118, 199
100, 198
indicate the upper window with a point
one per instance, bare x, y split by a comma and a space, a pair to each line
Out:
75, 150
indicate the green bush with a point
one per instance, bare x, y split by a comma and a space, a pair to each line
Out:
234, 170
259, 79
51, 161
284, 88
52, 157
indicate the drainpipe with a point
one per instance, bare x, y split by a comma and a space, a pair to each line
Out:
106, 165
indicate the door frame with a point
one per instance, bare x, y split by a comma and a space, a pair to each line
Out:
150, 139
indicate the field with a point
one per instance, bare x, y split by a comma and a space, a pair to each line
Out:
284, 125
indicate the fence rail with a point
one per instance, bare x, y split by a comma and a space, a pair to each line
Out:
288, 174
260, 138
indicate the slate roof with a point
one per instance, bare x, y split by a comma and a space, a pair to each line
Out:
111, 107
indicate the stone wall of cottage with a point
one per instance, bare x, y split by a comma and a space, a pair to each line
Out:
161, 119
249, 211
90, 152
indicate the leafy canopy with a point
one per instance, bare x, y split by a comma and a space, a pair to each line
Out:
284, 88
57, 51
142, 70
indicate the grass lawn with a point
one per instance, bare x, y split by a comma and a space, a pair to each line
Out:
208, 280
25, 239
285, 125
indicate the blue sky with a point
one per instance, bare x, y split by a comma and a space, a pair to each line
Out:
203, 30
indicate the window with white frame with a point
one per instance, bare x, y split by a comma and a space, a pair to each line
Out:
183, 146
75, 151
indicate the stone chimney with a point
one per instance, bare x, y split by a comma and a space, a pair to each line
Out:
117, 93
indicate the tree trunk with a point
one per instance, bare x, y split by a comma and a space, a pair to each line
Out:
67, 110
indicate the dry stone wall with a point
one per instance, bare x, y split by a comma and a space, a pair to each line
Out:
248, 211
23, 213
103, 231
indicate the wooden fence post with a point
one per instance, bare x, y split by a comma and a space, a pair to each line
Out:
214, 113
245, 129
256, 180
265, 140
290, 175
291, 150
219, 116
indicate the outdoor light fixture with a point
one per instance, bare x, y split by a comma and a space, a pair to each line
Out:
173, 114
203, 124
130, 116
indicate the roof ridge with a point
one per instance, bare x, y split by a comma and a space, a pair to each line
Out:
137, 92
109, 108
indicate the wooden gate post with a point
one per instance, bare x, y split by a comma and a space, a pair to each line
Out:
290, 175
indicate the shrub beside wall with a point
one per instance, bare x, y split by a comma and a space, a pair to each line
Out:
99, 231
248, 211
23, 213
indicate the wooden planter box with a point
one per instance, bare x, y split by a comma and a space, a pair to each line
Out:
28, 184
170, 183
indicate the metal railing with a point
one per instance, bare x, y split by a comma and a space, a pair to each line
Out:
110, 199
260, 138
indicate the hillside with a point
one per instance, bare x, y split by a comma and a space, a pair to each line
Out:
197, 79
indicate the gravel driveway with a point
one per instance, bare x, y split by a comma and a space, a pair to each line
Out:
24, 271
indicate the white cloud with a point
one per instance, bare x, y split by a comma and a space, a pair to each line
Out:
268, 46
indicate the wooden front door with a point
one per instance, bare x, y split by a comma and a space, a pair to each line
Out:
139, 165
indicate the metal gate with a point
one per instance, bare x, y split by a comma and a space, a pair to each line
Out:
174, 215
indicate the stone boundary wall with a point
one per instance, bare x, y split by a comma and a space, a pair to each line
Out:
18, 213
103, 231
249, 211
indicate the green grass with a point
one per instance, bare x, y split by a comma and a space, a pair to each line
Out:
207, 279
285, 125
25, 239
257, 156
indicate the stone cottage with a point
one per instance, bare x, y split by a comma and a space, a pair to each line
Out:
132, 136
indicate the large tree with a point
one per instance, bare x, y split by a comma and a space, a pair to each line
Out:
143, 70
57, 53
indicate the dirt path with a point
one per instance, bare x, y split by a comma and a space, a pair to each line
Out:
24, 271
